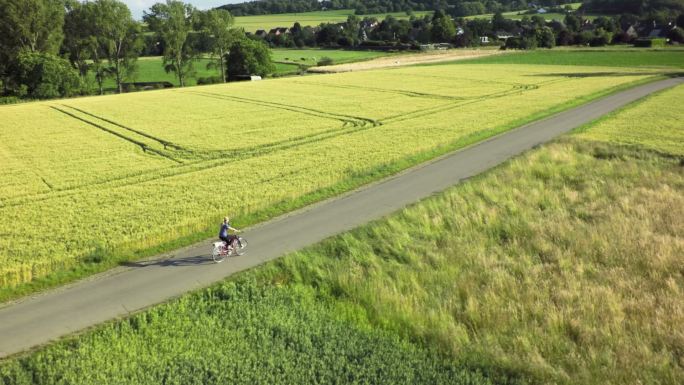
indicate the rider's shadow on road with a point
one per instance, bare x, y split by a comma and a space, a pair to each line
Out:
187, 261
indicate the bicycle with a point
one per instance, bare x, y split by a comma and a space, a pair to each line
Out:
222, 250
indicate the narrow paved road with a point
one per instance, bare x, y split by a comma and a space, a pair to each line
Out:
40, 319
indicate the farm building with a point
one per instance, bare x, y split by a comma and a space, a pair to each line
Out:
278, 31
503, 35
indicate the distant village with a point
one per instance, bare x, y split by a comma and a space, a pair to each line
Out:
530, 29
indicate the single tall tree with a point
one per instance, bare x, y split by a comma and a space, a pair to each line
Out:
173, 21
249, 57
443, 28
217, 23
118, 37
79, 40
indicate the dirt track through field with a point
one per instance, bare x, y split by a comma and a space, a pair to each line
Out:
39, 319
405, 60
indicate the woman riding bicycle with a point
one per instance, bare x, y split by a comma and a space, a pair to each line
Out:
229, 239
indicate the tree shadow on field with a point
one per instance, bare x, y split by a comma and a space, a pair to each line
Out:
171, 262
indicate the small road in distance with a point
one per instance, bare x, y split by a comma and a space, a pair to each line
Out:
39, 319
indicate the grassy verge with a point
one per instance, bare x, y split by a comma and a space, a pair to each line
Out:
103, 260
562, 266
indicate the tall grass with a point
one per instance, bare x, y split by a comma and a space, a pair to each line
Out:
564, 265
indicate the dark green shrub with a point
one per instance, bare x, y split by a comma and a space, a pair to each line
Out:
650, 43
677, 35
45, 76
209, 80
599, 41
325, 61
10, 100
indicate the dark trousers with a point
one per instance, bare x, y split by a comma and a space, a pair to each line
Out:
229, 240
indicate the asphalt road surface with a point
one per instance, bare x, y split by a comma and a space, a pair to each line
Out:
45, 317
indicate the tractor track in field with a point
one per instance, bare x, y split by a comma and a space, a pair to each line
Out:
517, 88
144, 146
450, 106
42, 318
206, 159
412, 94
163, 142
349, 119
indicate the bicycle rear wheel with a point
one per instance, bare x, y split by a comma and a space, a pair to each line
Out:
217, 255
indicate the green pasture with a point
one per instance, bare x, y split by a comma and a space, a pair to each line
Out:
310, 57
150, 69
266, 22
613, 57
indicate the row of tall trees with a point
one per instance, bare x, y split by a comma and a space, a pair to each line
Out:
51, 48
369, 31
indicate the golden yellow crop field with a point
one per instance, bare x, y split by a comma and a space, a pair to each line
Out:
98, 179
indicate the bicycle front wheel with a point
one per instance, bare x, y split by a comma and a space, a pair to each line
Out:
241, 248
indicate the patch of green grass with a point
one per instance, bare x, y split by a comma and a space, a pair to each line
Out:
608, 57
239, 333
283, 69
150, 69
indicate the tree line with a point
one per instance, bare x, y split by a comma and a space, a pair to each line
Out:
366, 7
649, 8
52, 48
